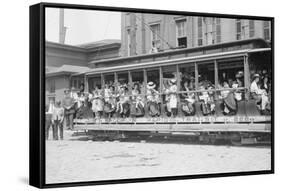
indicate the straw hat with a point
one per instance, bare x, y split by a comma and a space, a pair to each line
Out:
256, 76
173, 81
151, 85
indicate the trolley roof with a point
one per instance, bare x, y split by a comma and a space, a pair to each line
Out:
184, 60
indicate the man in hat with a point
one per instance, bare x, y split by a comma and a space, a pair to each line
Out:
57, 120
69, 110
258, 94
48, 118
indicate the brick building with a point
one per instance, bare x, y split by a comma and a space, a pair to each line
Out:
140, 31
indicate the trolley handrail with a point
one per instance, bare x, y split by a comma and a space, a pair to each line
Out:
179, 92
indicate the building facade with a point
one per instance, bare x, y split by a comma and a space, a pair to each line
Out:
64, 61
140, 32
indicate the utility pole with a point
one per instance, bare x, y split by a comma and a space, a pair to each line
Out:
62, 28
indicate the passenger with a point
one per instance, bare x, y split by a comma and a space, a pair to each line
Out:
81, 88
229, 103
237, 93
106, 93
97, 103
224, 93
192, 83
230, 82
188, 107
109, 101
211, 97
74, 95
239, 79
80, 99
137, 105
223, 77
259, 95
265, 84
85, 111
153, 100
57, 120
123, 106
173, 100
205, 99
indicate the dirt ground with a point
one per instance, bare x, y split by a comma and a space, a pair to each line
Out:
75, 160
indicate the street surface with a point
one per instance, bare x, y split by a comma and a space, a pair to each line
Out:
77, 159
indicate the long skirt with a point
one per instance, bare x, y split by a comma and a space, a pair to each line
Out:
153, 109
137, 109
187, 108
97, 105
126, 109
230, 102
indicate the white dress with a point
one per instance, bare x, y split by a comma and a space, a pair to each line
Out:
97, 104
173, 101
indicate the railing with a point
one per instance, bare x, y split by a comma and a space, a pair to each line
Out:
162, 102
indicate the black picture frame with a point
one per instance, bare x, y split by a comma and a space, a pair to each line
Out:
37, 98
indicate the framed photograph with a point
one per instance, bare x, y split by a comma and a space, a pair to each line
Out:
122, 95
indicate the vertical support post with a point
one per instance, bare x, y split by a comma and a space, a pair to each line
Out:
196, 76
102, 81
216, 78
130, 81
196, 80
247, 80
86, 82
161, 91
115, 80
145, 92
178, 89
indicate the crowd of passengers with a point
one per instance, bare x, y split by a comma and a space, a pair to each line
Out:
123, 100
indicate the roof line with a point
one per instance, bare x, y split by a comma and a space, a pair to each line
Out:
173, 61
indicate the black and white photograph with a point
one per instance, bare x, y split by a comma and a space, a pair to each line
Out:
133, 95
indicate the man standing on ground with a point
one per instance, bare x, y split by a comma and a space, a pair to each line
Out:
69, 110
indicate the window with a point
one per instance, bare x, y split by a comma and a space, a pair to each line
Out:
266, 30
52, 86
128, 42
155, 32
181, 33
238, 29
76, 82
200, 31
218, 30
251, 28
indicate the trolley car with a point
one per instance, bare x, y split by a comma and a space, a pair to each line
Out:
210, 63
